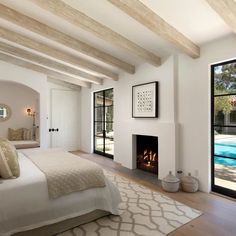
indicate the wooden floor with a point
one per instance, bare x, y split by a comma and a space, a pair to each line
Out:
219, 213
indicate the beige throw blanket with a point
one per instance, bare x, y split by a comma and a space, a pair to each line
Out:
65, 172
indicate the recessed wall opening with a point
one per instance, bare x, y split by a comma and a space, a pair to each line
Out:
22, 105
147, 153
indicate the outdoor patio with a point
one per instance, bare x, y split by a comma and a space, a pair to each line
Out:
225, 176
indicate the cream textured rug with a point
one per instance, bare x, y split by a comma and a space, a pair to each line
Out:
144, 212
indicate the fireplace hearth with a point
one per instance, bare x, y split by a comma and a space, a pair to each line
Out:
147, 153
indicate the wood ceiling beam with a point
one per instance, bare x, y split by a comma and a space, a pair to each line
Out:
43, 70
55, 53
18, 52
227, 11
64, 39
63, 83
145, 16
79, 19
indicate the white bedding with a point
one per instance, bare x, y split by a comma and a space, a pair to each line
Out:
24, 202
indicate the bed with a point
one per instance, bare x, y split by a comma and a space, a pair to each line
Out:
25, 204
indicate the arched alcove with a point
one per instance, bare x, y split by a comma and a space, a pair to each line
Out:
34, 81
20, 98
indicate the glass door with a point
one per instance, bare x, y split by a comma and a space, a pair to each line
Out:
103, 123
223, 123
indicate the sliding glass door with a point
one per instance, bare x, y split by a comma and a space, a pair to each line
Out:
223, 76
103, 123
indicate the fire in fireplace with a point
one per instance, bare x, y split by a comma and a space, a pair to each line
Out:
147, 153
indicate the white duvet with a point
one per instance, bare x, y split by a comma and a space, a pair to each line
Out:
24, 202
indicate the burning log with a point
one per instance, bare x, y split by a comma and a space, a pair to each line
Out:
154, 157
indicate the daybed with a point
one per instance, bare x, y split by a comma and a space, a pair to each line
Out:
23, 144
24, 138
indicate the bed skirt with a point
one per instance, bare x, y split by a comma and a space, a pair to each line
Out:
65, 225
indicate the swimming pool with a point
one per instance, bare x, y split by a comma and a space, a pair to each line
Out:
225, 148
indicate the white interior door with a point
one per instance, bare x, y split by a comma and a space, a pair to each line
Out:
65, 119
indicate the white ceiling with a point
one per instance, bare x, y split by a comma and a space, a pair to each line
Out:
194, 18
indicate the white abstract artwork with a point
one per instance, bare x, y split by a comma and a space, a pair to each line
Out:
145, 100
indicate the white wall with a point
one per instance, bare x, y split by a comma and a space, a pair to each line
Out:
194, 107
18, 98
125, 126
37, 82
183, 126
184, 123
34, 80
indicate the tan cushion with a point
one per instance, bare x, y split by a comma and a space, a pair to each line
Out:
10, 154
37, 134
5, 171
14, 135
23, 144
28, 134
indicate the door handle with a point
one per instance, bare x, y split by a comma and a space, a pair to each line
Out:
53, 130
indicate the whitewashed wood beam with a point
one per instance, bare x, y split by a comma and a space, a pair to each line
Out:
226, 9
18, 52
148, 18
55, 53
28, 65
64, 39
63, 83
79, 19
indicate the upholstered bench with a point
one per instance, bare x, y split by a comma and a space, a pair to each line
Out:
23, 144
24, 138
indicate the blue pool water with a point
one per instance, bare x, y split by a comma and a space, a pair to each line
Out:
225, 148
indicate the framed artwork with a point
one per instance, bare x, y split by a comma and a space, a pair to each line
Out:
145, 100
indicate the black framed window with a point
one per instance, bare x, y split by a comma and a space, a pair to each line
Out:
223, 127
103, 123
233, 116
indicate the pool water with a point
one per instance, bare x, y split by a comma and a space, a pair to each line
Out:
228, 149
225, 161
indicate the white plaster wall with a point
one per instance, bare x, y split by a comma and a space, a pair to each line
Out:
34, 80
86, 120
18, 98
194, 107
124, 125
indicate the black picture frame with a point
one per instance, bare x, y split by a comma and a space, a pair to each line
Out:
103, 152
151, 109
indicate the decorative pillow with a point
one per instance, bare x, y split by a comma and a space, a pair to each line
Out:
15, 135
28, 134
37, 134
5, 171
10, 154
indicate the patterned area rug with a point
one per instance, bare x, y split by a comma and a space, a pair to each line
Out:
144, 212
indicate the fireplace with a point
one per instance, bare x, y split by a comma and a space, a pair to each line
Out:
147, 153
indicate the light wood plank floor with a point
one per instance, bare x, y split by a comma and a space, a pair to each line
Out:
219, 218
